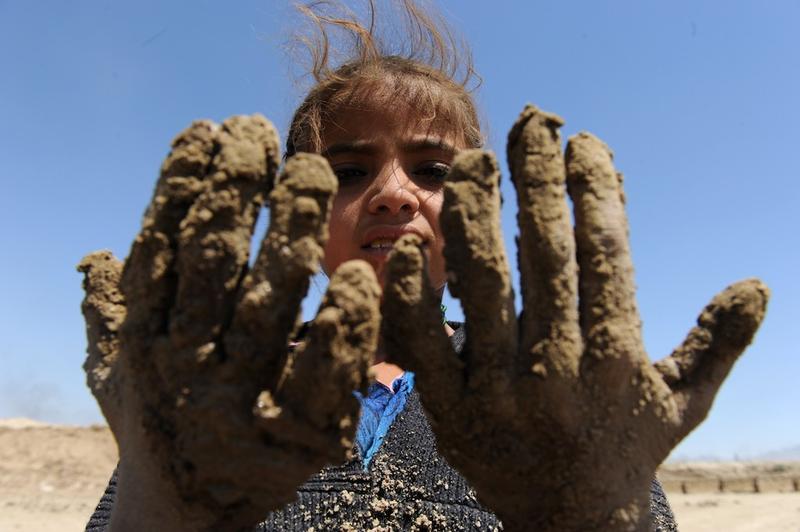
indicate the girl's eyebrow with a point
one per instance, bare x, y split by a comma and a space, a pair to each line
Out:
369, 147
366, 147
430, 143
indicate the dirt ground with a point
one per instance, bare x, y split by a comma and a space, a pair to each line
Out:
699, 505
737, 512
51, 477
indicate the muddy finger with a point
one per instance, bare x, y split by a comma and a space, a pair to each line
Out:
148, 280
413, 332
314, 403
696, 369
550, 333
103, 310
477, 267
214, 240
271, 294
608, 315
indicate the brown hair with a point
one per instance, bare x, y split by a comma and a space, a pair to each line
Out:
426, 80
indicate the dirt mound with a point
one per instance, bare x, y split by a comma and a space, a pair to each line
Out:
20, 423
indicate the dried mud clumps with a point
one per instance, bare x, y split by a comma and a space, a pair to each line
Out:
104, 311
189, 344
556, 417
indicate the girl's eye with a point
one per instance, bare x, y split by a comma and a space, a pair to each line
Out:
433, 171
348, 174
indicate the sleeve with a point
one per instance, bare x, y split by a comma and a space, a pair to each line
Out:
99, 520
663, 519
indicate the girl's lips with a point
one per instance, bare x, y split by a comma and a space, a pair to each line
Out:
380, 252
380, 240
383, 248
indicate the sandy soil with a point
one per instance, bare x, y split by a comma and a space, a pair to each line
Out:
51, 477
738, 508
737, 512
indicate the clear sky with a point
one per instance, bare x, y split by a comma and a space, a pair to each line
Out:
699, 100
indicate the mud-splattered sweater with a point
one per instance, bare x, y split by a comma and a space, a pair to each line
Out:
406, 486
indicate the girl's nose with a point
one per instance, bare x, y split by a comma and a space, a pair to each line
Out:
395, 193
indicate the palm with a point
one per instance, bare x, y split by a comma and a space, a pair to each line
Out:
188, 346
556, 417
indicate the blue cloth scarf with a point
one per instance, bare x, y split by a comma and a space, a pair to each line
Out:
379, 408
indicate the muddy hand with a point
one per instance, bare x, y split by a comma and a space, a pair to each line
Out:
556, 417
216, 424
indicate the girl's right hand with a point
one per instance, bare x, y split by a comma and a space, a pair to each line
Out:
216, 424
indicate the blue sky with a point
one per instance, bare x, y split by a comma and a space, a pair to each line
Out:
697, 99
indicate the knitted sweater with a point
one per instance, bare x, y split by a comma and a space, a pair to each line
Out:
407, 486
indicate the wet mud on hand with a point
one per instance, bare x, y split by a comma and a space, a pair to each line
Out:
188, 348
556, 417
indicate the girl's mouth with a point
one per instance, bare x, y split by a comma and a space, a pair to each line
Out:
382, 246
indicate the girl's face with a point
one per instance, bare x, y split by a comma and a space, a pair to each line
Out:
390, 184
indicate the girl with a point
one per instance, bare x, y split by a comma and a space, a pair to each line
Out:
218, 429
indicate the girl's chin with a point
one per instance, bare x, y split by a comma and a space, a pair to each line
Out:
379, 265
379, 259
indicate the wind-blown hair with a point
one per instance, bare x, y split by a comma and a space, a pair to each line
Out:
408, 65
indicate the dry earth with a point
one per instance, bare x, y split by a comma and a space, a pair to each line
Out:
737, 508
52, 476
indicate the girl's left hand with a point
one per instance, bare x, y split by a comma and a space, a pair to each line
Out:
557, 417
